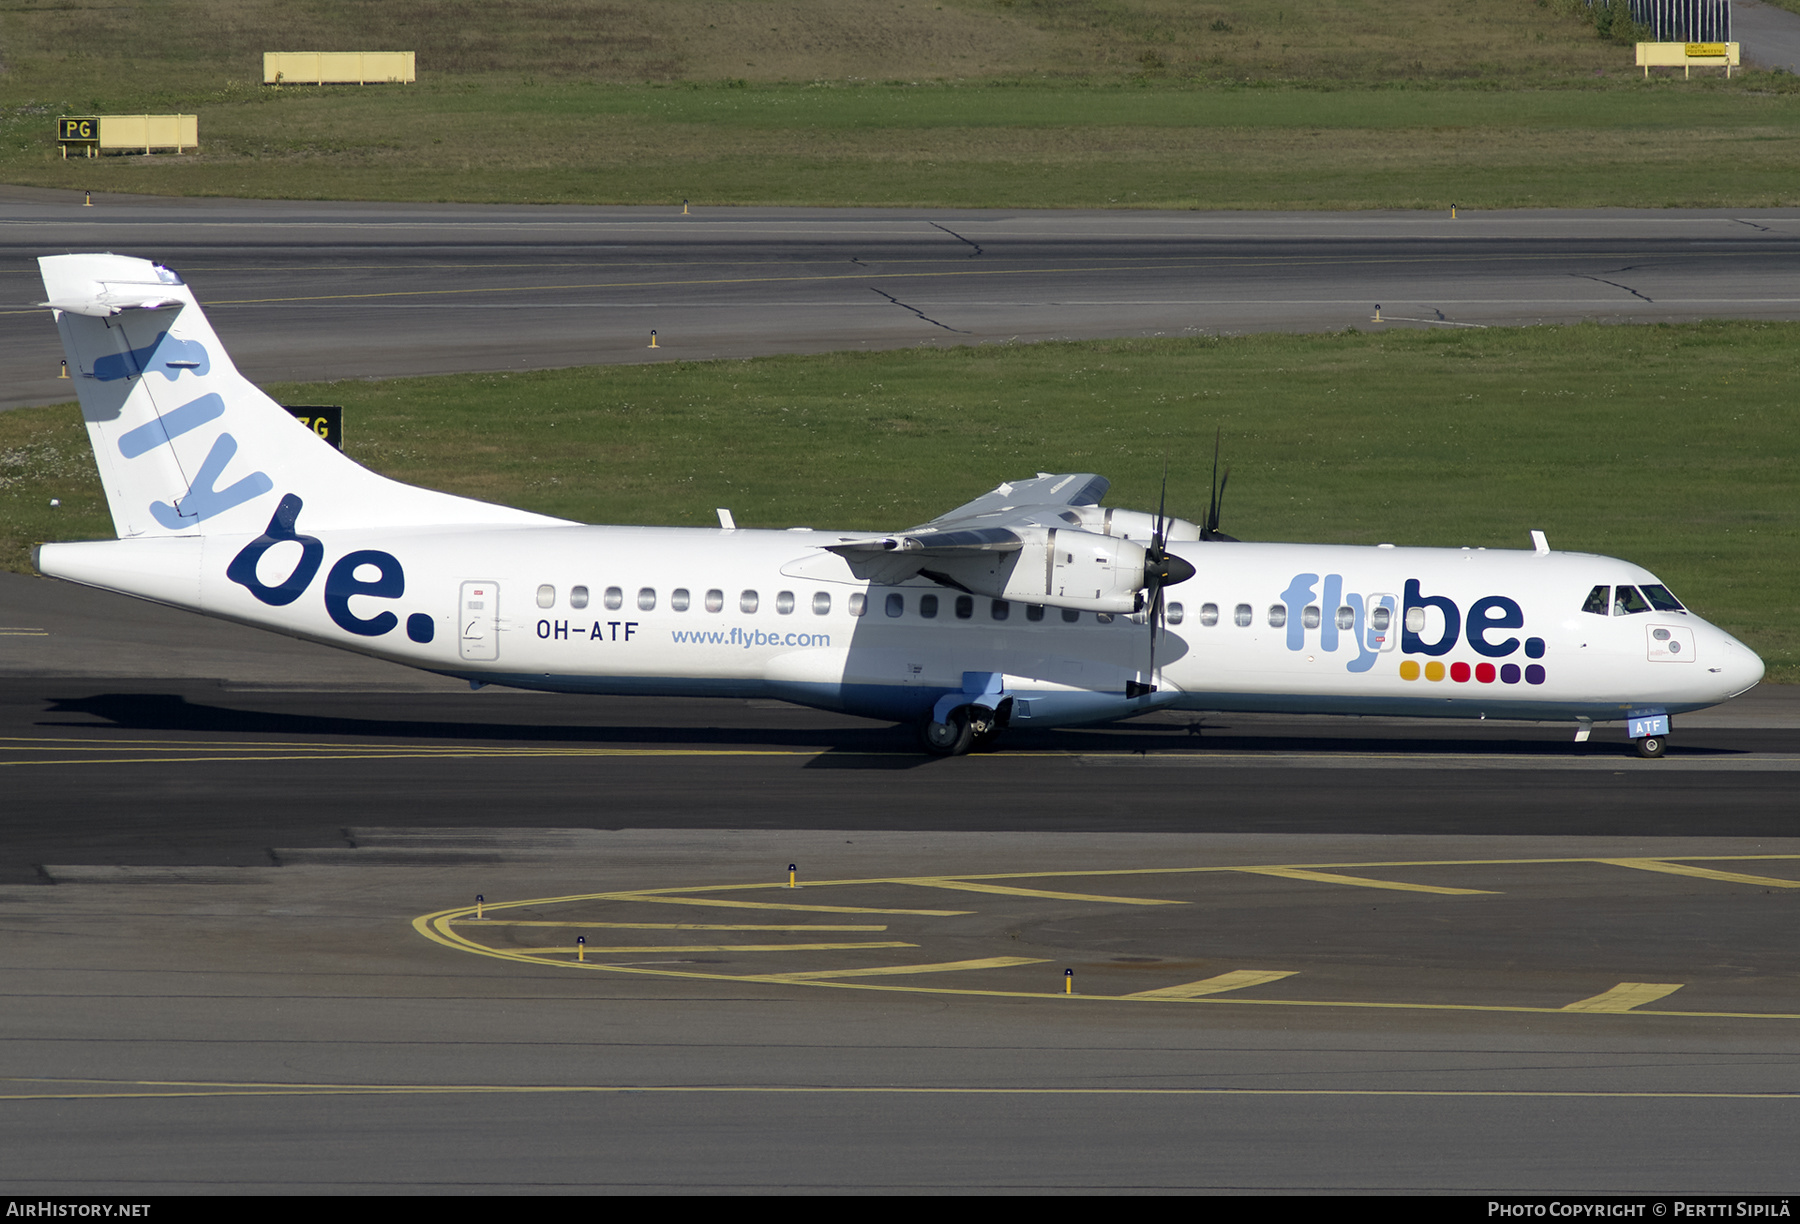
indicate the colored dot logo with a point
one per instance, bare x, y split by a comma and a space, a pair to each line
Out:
1481, 673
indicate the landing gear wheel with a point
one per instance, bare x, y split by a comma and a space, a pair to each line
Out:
951, 737
1652, 746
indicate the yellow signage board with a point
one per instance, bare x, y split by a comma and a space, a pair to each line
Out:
93, 134
338, 67
1687, 56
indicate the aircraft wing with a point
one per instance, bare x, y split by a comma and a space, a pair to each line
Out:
989, 524
1005, 544
1068, 489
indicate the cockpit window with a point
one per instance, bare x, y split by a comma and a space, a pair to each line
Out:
1660, 599
1597, 600
1626, 600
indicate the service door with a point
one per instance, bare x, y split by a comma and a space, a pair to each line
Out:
480, 620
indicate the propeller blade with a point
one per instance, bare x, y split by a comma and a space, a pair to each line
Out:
1160, 536
1210, 529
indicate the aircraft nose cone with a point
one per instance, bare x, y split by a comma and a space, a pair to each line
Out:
1175, 570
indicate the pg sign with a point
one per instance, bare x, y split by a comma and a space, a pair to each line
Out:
82, 131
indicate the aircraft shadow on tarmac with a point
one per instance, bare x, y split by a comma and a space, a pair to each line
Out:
872, 746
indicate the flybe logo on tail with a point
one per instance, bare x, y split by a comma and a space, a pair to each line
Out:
365, 572
204, 497
1367, 625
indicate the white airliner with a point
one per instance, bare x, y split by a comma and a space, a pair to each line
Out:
1030, 606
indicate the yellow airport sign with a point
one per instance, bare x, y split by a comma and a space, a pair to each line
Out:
338, 67
1686, 56
96, 134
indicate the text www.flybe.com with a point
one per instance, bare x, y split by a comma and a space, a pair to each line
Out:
748, 638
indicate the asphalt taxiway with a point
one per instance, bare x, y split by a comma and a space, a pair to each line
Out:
310, 291
243, 948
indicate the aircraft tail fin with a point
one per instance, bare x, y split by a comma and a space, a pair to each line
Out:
185, 444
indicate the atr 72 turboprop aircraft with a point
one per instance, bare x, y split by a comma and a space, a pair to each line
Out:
1030, 606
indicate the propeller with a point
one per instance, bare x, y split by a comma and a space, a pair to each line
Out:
1210, 531
1161, 569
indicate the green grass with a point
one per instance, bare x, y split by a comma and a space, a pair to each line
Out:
1078, 103
1031, 145
1673, 446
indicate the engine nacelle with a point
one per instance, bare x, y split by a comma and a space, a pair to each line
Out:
1057, 566
1130, 524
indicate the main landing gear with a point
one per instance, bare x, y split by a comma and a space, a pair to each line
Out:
965, 729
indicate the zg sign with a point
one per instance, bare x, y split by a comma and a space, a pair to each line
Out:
326, 420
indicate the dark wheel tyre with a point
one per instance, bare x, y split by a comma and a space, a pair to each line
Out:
1652, 746
951, 737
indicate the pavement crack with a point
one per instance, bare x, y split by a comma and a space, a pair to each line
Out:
959, 238
1615, 284
902, 305
1753, 225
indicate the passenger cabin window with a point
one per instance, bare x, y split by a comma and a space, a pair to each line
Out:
928, 606
1105, 618
859, 603
1209, 614
1380, 619
1309, 616
1071, 615
1241, 616
965, 607
1034, 612
646, 599
821, 603
546, 596
1597, 600
784, 602
614, 599
1277, 615
578, 597
747, 601
1001, 610
1174, 613
1626, 600
715, 600
1346, 617
896, 604
1415, 620
678, 599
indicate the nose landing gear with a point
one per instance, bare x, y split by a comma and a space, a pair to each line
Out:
1649, 730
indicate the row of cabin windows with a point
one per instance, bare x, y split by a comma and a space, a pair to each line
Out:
963, 607
681, 599
1627, 600
1311, 616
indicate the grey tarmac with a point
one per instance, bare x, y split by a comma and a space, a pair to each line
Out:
241, 951
314, 291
